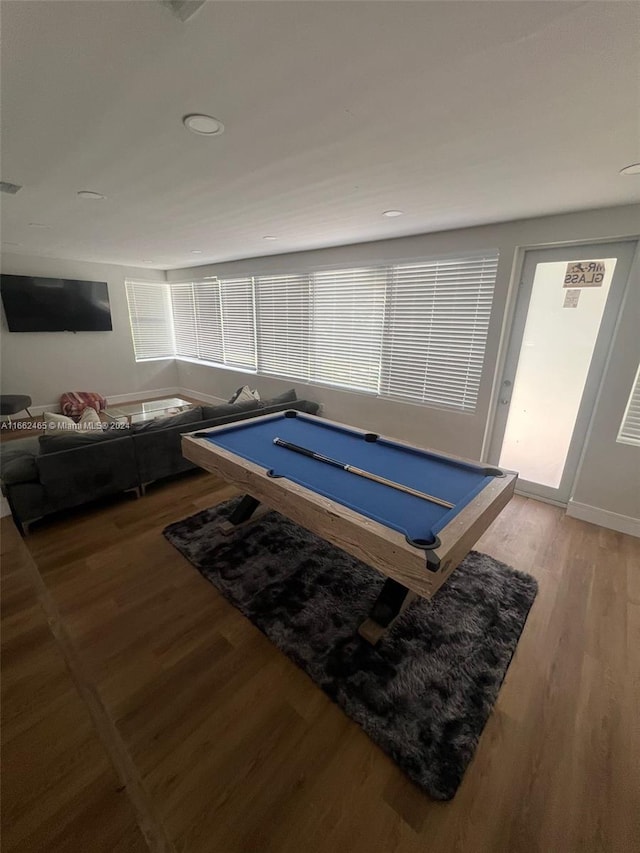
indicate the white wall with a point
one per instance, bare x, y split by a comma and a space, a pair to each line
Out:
453, 432
45, 364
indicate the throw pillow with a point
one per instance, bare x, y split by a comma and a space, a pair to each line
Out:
58, 423
243, 394
89, 420
72, 403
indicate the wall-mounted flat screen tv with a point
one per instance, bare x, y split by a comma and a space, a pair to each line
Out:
55, 304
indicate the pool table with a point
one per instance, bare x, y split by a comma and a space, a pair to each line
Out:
402, 530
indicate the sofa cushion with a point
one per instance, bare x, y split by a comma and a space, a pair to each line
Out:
18, 461
187, 417
289, 396
223, 410
77, 438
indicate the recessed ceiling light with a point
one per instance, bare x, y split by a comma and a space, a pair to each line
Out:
204, 125
269, 237
147, 261
633, 169
38, 225
90, 194
392, 212
196, 251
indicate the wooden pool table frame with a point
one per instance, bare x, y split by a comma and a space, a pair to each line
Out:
381, 547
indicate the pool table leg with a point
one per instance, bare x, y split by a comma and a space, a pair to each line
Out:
245, 511
393, 600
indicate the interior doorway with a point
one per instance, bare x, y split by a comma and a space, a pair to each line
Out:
567, 306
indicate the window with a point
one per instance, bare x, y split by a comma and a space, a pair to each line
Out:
347, 321
282, 319
151, 319
630, 427
238, 323
197, 320
436, 330
214, 321
208, 310
415, 331
184, 320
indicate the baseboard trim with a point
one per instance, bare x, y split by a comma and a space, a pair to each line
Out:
198, 395
604, 518
541, 499
151, 394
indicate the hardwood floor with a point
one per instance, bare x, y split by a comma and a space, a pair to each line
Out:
149, 712
60, 791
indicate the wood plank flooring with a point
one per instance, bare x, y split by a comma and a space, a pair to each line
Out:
141, 710
59, 791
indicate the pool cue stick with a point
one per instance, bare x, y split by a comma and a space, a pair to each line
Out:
351, 469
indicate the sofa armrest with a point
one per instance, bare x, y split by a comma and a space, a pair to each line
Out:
18, 461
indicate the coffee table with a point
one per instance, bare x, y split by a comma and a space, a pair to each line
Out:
137, 412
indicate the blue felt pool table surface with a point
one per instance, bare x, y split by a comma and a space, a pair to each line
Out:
455, 481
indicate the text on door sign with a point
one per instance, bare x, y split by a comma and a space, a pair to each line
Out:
584, 274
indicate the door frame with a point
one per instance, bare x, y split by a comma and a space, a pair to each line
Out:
623, 249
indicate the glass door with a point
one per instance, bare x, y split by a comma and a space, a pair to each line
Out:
567, 307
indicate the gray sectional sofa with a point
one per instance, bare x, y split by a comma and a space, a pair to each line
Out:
44, 474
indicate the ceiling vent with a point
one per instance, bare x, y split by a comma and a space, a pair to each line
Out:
12, 189
183, 9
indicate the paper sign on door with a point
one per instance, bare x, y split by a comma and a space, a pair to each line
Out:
584, 274
571, 298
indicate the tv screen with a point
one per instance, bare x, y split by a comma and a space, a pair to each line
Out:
55, 304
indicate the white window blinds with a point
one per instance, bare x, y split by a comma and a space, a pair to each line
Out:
415, 331
347, 320
214, 321
150, 317
209, 321
184, 320
630, 427
238, 322
436, 330
282, 319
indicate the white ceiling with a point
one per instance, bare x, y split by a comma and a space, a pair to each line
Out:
458, 113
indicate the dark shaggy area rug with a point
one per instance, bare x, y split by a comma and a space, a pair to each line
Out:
426, 691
